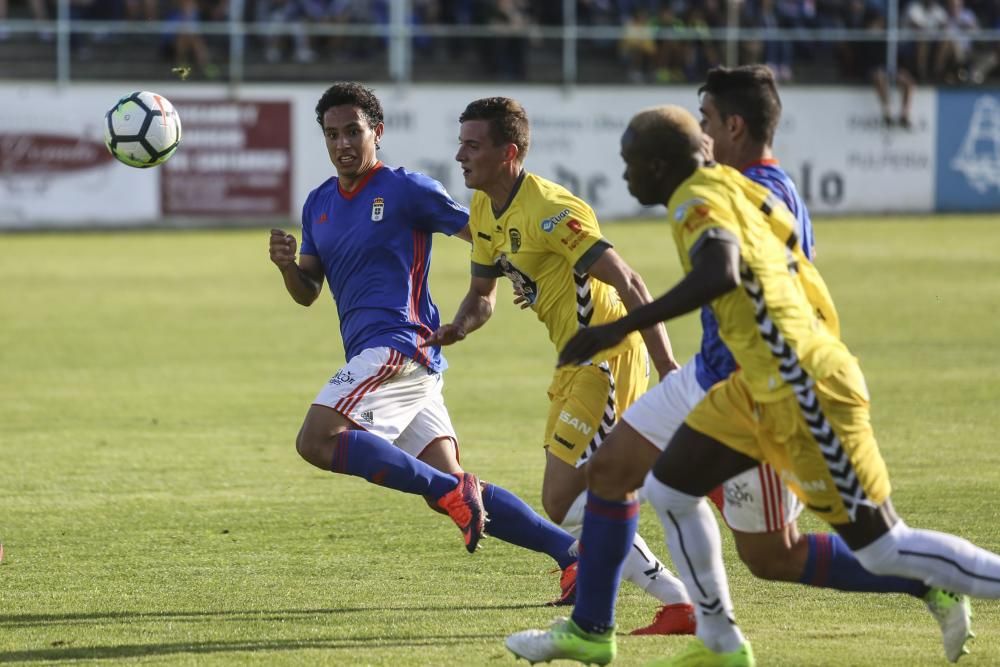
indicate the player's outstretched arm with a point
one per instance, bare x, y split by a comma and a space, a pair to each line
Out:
304, 279
465, 234
715, 270
476, 308
610, 268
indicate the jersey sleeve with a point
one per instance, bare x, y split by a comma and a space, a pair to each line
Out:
482, 247
697, 221
571, 230
433, 208
307, 247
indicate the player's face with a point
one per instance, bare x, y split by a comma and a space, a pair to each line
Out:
350, 140
482, 160
715, 127
640, 171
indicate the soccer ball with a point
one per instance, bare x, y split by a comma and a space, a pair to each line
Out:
142, 130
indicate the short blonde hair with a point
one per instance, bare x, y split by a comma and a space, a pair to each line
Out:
668, 132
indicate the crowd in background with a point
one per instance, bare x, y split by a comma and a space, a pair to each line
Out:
646, 52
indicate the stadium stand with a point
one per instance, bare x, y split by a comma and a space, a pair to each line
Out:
617, 41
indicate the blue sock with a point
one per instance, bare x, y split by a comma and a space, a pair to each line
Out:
832, 565
608, 531
511, 520
366, 455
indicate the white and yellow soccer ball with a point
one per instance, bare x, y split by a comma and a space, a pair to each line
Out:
142, 130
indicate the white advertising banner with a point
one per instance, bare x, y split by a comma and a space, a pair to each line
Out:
54, 170
54, 167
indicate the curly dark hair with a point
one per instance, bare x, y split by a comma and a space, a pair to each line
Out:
748, 92
354, 94
507, 118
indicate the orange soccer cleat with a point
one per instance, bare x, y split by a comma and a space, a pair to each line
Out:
670, 619
567, 582
464, 504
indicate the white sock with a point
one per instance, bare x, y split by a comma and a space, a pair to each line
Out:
646, 571
938, 559
696, 549
641, 566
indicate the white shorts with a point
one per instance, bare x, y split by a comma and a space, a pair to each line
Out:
754, 501
392, 396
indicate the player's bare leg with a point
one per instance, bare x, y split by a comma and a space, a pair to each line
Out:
779, 555
562, 483
441, 454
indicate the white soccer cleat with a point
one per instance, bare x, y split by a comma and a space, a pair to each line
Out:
954, 614
562, 641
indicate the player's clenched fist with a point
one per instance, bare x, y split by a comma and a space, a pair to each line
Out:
282, 248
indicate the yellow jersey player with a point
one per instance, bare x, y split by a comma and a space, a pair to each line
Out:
549, 244
797, 401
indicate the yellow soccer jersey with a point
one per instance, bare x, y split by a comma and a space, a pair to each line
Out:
782, 321
544, 241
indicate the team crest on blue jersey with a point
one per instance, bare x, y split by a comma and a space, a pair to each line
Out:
515, 241
378, 208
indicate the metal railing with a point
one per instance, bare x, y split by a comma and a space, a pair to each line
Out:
399, 34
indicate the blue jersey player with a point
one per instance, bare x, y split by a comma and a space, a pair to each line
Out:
740, 109
367, 232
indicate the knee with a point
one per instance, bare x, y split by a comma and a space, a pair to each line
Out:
664, 498
773, 566
317, 451
556, 506
610, 476
880, 556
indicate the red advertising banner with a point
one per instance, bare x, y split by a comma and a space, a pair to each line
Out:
234, 160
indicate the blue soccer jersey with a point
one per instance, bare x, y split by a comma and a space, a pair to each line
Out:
714, 362
375, 246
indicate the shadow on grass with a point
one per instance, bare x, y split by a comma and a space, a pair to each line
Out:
199, 648
12, 621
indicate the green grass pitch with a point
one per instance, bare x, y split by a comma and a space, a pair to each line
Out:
153, 509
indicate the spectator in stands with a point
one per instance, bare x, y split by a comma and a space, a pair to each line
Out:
638, 46
927, 17
952, 61
458, 13
986, 55
704, 53
141, 10
870, 63
38, 11
507, 53
183, 40
775, 53
673, 56
347, 12
293, 14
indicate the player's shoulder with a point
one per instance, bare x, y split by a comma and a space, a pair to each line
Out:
415, 179
708, 185
545, 200
321, 191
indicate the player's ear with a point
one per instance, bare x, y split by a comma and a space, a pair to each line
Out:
736, 125
510, 153
378, 130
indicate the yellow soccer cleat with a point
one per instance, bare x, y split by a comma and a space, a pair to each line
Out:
696, 654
